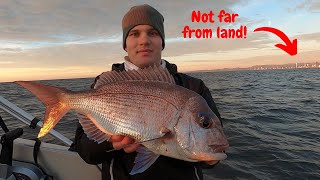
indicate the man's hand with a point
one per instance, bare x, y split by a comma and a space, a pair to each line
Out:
123, 142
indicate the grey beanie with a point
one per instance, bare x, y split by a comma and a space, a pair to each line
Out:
142, 14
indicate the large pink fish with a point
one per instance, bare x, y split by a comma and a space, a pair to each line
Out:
146, 105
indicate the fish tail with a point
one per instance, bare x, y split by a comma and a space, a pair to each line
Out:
53, 98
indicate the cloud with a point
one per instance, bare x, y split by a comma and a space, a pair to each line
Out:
309, 5
95, 54
9, 50
59, 25
309, 37
315, 7
51, 20
45, 20
56, 23
303, 57
104, 54
6, 62
31, 73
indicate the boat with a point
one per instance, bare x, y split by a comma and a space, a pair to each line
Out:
35, 160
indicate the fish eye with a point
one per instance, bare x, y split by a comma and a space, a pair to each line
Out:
204, 121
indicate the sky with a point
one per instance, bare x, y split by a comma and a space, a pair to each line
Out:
74, 39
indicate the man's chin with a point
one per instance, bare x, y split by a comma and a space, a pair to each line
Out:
147, 61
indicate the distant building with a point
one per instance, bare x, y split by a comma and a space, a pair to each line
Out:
287, 66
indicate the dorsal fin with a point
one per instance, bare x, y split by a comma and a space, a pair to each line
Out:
151, 73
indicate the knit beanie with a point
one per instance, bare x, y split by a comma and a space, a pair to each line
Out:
142, 14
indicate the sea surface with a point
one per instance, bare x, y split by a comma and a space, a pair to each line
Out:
271, 119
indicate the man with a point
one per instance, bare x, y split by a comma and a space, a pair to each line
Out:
143, 40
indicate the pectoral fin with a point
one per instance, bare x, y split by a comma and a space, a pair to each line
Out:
144, 159
91, 130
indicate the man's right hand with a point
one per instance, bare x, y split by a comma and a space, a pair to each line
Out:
124, 142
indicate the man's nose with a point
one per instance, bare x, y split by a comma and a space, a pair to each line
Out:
144, 39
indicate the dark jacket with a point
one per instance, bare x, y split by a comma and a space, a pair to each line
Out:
122, 163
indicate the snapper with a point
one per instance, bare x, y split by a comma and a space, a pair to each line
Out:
145, 105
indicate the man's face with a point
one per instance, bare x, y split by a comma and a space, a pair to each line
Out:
144, 46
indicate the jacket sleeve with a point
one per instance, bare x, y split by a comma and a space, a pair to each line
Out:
89, 150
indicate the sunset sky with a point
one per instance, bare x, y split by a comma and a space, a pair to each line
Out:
54, 39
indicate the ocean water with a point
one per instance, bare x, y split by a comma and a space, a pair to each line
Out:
271, 119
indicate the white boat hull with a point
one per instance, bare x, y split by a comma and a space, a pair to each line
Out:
56, 160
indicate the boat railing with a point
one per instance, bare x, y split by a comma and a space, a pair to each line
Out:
27, 118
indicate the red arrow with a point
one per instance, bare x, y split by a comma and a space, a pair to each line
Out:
290, 47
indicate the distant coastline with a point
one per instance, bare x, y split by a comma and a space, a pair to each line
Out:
312, 65
287, 66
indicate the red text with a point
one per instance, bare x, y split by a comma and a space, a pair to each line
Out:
226, 17
198, 33
197, 16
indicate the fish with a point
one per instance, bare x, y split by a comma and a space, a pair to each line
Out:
146, 105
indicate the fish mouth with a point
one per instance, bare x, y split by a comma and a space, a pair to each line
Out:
215, 152
218, 148
214, 157
212, 162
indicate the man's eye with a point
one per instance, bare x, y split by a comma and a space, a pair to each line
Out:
134, 34
153, 33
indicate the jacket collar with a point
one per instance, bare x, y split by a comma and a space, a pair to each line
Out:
172, 68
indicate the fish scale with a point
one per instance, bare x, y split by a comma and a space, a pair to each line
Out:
119, 119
